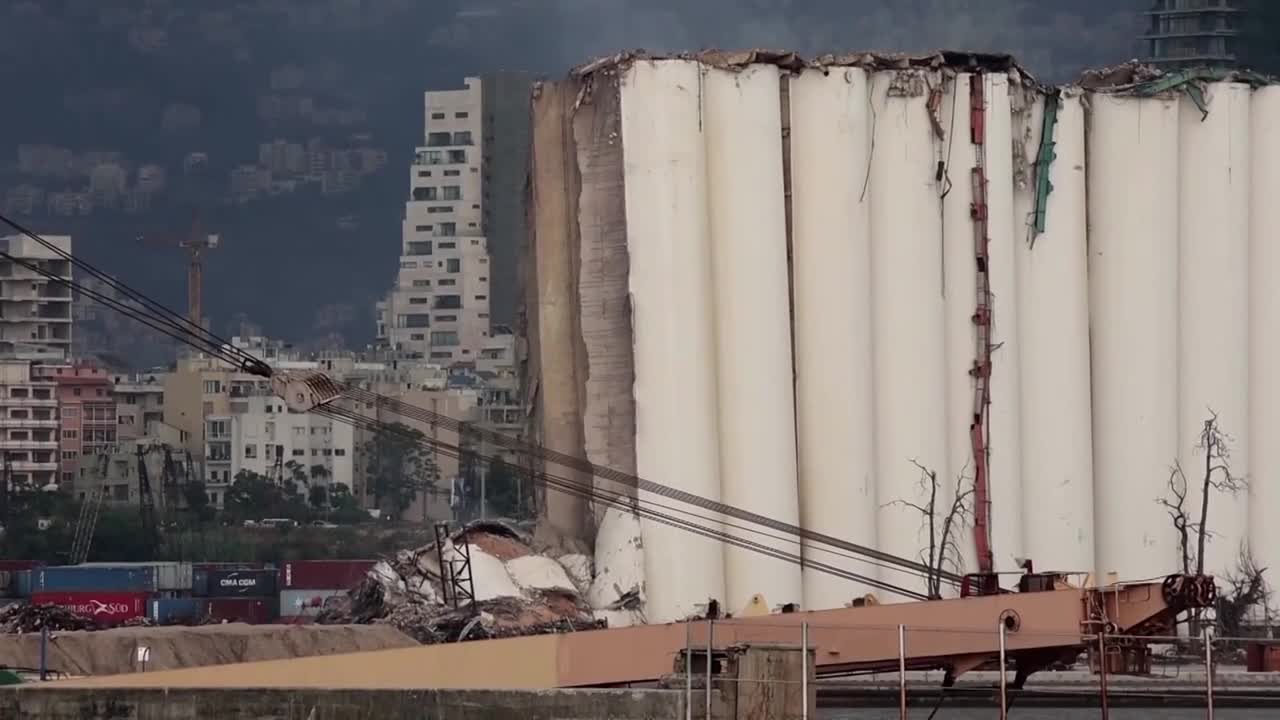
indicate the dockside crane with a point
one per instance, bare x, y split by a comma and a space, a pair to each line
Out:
197, 243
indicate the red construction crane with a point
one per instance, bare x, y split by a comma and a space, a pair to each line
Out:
196, 242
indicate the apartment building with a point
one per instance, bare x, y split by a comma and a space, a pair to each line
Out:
465, 184
139, 404
264, 437
87, 410
35, 312
1195, 32
29, 425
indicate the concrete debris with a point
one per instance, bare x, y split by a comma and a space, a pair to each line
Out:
517, 591
34, 618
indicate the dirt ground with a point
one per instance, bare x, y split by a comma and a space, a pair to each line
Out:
110, 652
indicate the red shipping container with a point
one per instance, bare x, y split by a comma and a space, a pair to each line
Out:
18, 565
107, 608
323, 574
215, 566
255, 611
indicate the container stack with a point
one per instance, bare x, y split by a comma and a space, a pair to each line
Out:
15, 581
307, 586
240, 592
115, 593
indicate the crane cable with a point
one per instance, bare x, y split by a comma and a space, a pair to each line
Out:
184, 331
646, 509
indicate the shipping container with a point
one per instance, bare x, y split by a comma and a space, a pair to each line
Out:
307, 603
168, 575
237, 583
321, 574
74, 578
174, 611
16, 565
22, 586
255, 611
107, 608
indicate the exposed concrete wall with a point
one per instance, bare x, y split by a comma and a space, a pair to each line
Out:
46, 703
555, 245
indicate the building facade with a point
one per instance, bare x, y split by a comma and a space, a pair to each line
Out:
463, 222
35, 312
1195, 32
87, 415
29, 425
139, 404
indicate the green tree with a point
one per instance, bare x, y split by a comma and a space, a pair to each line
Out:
346, 506
253, 497
318, 497
197, 502
399, 467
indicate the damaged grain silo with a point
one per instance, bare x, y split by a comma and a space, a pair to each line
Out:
803, 288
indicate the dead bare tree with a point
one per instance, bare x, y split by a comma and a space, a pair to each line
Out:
1246, 584
1246, 588
942, 553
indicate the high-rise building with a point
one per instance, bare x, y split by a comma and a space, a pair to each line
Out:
28, 424
35, 312
1195, 32
463, 224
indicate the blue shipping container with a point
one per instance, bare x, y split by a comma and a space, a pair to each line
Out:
89, 579
168, 575
200, 583
22, 583
174, 611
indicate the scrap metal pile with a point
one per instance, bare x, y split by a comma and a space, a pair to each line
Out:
518, 591
34, 618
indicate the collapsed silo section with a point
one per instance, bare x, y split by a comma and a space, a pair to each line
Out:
1133, 282
1053, 322
742, 119
907, 311
604, 355
1213, 311
1264, 331
831, 271
670, 280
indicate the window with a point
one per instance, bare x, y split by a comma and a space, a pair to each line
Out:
422, 283
484, 279
101, 392
462, 115
419, 320
75, 391
340, 452
425, 194
437, 116
299, 452
212, 387
462, 137
419, 247
439, 139
444, 338
435, 157
327, 452
70, 477
70, 454
446, 318
441, 355
457, 157
482, 297
447, 245
419, 300
447, 282
452, 173
448, 302
448, 230
452, 192
423, 228
424, 173
440, 209
417, 337
408, 265
251, 451
453, 265
66, 435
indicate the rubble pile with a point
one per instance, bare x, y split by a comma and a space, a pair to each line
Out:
517, 591
34, 618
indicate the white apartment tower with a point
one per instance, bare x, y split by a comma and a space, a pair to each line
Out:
35, 312
438, 308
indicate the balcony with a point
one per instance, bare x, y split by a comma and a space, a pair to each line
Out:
28, 402
31, 466
27, 422
28, 444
